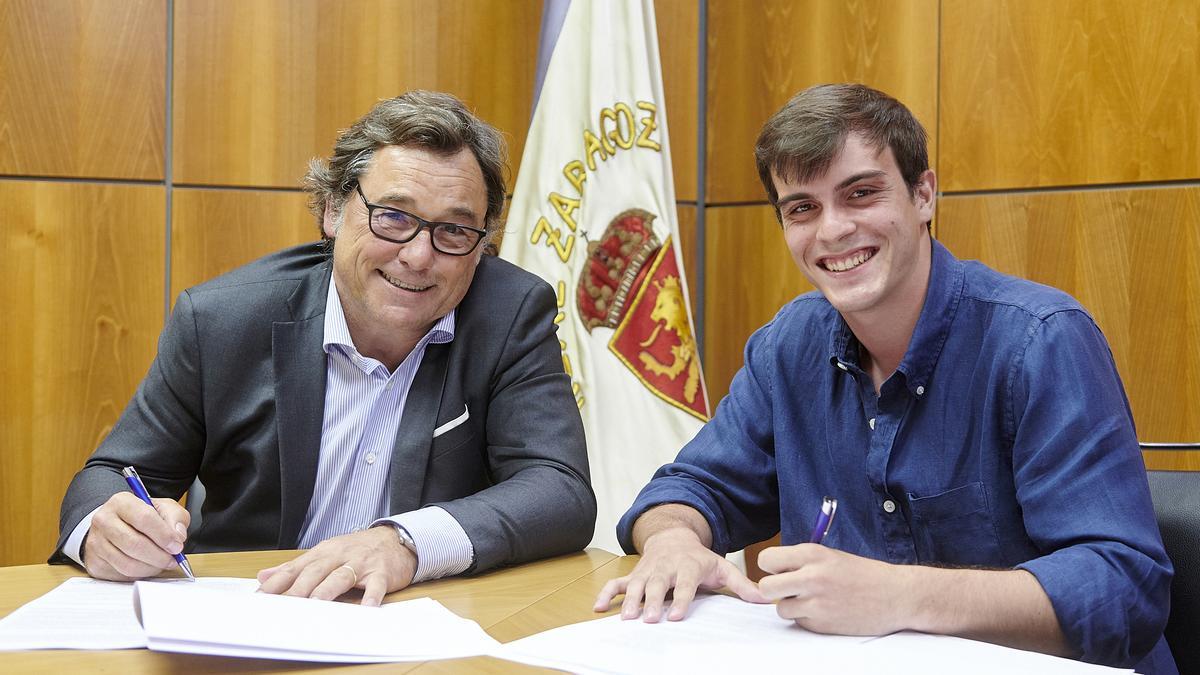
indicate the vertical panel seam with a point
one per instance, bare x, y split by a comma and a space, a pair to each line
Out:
168, 156
700, 246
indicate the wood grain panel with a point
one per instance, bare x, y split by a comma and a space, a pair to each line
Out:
749, 275
262, 86
83, 296
214, 231
761, 53
1172, 460
1131, 257
1070, 92
688, 248
82, 88
678, 43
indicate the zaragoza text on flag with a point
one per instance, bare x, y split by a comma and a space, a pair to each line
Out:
594, 214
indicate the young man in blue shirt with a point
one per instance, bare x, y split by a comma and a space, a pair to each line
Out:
972, 426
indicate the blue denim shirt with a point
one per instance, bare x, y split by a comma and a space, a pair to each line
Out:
1004, 440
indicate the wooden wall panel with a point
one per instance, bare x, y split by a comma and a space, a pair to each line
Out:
214, 231
678, 45
1071, 92
749, 275
1131, 257
761, 53
82, 88
1172, 460
83, 297
261, 86
688, 248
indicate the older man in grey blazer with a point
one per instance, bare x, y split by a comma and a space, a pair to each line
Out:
391, 399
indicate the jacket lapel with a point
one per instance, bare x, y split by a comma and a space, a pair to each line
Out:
300, 400
410, 456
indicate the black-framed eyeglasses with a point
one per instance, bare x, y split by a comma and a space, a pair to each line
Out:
401, 227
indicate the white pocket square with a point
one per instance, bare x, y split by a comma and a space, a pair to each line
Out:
466, 415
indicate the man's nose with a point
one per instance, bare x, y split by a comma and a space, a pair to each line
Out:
418, 252
835, 224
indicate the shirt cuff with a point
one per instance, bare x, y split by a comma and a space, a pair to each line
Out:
443, 547
71, 548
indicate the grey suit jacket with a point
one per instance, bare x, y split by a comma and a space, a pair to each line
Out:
236, 396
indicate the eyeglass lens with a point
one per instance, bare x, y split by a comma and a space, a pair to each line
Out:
401, 226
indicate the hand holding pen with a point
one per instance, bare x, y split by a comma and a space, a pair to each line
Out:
139, 489
127, 541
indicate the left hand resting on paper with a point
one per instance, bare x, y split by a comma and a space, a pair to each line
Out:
373, 560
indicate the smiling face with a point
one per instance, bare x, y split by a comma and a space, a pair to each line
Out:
392, 294
859, 236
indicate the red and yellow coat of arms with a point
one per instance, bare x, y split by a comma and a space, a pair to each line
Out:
631, 283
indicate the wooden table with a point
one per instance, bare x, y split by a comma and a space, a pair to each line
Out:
509, 604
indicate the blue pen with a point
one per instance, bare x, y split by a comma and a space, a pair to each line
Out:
824, 520
139, 489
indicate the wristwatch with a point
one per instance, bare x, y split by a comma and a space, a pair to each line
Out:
406, 539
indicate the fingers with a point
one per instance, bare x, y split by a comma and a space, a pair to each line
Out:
655, 595
373, 560
631, 606
337, 582
685, 592
374, 588
107, 561
612, 589
129, 540
300, 577
741, 585
176, 517
146, 521
778, 559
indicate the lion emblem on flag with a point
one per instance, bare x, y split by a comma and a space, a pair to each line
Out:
631, 284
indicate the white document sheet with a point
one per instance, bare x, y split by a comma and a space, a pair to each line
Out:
200, 620
951, 655
723, 634
83, 613
720, 634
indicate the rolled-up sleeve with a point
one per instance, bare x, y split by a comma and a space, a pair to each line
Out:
1082, 488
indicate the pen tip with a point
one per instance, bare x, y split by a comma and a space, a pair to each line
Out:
187, 569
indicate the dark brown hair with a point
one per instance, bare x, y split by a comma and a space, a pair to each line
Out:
801, 140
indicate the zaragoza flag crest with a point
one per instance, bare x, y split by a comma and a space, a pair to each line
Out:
594, 214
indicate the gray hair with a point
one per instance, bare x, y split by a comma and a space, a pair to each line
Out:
425, 119
801, 140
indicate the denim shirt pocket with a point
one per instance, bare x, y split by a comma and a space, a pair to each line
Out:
955, 527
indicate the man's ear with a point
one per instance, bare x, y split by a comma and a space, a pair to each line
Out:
925, 195
330, 221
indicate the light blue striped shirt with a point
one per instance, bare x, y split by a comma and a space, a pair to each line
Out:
364, 404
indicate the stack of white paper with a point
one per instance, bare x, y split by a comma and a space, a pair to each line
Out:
226, 617
201, 620
84, 613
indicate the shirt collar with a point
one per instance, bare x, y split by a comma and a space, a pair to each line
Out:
338, 333
929, 335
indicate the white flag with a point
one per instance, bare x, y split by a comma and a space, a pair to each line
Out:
594, 214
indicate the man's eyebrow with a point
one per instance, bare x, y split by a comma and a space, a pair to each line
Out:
861, 175
406, 202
